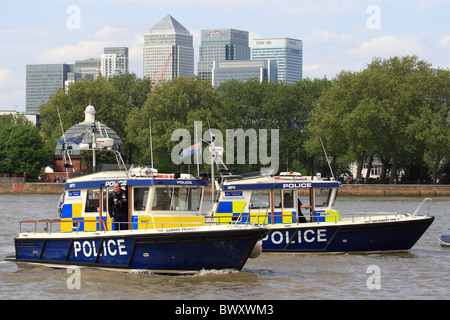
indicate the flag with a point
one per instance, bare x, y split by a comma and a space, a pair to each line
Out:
192, 150
75, 139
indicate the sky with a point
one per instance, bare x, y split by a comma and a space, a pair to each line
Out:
336, 35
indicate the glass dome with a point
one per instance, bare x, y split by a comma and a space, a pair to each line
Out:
86, 128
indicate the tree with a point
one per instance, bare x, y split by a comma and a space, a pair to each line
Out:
171, 106
432, 125
371, 113
402, 99
257, 105
22, 150
326, 120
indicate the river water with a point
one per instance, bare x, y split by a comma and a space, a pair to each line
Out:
421, 273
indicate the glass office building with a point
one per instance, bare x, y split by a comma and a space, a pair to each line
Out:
43, 80
221, 45
168, 51
286, 51
242, 70
88, 68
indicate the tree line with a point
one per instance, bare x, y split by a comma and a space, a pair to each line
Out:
395, 110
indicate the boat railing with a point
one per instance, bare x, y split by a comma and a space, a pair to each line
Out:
48, 225
263, 205
249, 218
424, 201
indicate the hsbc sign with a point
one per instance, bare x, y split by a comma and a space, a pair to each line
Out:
262, 42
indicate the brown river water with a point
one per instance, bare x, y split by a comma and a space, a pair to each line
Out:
421, 273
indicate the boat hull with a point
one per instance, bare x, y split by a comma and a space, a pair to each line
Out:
399, 235
445, 240
158, 252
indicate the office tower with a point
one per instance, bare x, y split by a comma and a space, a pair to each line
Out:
168, 51
221, 45
43, 80
89, 68
287, 52
242, 70
114, 61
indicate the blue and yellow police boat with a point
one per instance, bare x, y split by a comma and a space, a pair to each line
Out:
301, 215
165, 233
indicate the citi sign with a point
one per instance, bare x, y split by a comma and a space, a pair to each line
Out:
215, 34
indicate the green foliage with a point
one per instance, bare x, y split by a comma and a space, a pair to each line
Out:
22, 150
395, 109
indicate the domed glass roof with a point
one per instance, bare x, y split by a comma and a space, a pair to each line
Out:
86, 128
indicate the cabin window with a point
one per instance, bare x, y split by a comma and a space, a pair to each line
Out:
105, 198
140, 197
322, 197
161, 199
288, 198
260, 199
283, 198
91, 201
303, 200
195, 199
177, 199
186, 199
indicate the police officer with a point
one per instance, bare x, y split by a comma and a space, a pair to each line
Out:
118, 207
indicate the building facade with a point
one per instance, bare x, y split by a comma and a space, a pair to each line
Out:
168, 51
43, 80
242, 70
114, 61
221, 45
88, 68
286, 51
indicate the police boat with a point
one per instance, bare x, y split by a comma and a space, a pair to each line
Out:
301, 215
165, 233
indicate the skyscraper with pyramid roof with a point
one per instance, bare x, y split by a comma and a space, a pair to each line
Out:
168, 51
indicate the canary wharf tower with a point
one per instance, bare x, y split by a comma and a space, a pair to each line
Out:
168, 51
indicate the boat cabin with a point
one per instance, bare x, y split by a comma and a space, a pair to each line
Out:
287, 198
154, 201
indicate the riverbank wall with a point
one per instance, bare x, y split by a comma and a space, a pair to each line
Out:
367, 190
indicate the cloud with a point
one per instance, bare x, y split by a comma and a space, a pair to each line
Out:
108, 36
387, 46
5, 75
444, 42
321, 36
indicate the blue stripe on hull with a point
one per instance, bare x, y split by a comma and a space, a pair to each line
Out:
196, 256
383, 236
180, 252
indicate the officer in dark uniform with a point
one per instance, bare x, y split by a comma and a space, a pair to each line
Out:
118, 207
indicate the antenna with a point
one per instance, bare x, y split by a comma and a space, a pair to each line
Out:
198, 147
151, 144
328, 160
65, 143
212, 148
